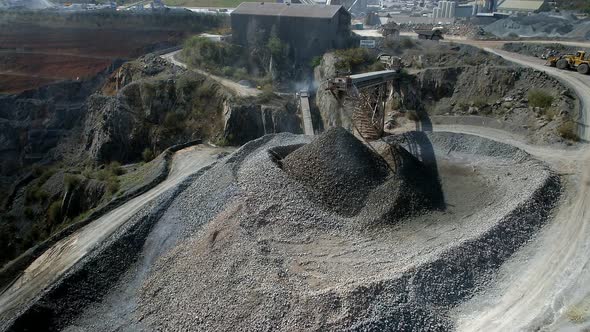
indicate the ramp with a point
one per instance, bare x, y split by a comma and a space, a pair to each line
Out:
306, 113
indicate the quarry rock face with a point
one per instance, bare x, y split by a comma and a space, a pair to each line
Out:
35, 122
244, 122
156, 115
332, 112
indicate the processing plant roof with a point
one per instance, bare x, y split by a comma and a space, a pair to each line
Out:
282, 9
521, 5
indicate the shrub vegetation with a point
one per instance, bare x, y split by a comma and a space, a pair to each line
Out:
539, 98
352, 59
568, 130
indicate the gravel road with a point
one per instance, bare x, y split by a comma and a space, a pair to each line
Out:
50, 266
240, 90
547, 285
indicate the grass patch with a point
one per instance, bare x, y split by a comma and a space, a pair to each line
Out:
222, 141
147, 155
54, 213
113, 186
200, 52
35, 194
352, 59
568, 130
115, 168
71, 181
108, 175
540, 98
82, 216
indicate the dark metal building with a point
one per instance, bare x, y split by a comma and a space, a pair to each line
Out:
308, 30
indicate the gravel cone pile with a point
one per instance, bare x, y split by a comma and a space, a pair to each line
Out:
338, 170
255, 264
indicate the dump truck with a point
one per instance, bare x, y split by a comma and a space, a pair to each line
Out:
435, 33
577, 61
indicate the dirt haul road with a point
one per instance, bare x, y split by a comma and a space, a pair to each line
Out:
240, 90
546, 286
50, 266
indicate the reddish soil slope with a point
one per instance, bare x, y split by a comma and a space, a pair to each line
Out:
32, 56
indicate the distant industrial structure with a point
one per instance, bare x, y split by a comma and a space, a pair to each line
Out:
521, 6
308, 30
445, 9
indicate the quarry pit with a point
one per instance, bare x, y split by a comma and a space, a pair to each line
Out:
426, 230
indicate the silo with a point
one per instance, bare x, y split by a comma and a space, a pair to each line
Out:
447, 9
452, 4
436, 12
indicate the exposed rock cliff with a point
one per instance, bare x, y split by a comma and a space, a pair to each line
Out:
330, 106
152, 114
142, 109
244, 122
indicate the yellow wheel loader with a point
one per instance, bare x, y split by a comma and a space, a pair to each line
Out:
576, 61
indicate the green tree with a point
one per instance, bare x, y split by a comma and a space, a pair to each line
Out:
275, 46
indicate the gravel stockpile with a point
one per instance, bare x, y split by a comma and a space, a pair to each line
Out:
538, 50
338, 170
274, 259
540, 25
244, 246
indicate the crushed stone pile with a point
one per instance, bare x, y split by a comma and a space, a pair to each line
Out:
538, 50
300, 200
338, 170
540, 25
242, 245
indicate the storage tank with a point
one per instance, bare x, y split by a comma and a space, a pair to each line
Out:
436, 12
452, 5
447, 9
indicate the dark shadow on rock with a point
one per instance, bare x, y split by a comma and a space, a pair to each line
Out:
419, 145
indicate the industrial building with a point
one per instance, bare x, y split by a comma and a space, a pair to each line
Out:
521, 6
308, 30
